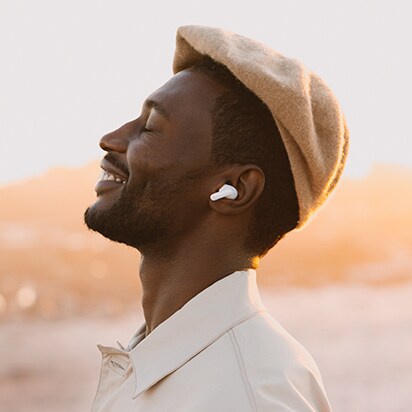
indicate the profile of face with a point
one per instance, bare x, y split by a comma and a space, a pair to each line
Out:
154, 186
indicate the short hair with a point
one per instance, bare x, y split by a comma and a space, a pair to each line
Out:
244, 131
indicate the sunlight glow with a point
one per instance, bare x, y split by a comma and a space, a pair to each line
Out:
98, 268
26, 297
3, 304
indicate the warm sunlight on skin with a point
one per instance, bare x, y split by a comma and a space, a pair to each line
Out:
77, 84
342, 285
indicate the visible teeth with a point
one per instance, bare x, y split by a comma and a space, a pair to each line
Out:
106, 176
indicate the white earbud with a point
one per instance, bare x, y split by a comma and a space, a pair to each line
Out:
225, 191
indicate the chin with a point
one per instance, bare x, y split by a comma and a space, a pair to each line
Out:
103, 223
121, 224
138, 218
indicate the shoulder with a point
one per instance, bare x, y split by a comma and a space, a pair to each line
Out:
278, 371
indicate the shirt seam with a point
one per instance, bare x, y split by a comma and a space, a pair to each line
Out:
241, 364
192, 354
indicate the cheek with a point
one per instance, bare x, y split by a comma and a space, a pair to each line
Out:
146, 159
149, 158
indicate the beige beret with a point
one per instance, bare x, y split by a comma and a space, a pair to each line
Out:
306, 112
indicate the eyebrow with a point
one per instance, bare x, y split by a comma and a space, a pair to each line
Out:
153, 104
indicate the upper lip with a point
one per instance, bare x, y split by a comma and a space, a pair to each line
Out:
110, 168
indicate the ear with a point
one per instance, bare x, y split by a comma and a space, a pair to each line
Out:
249, 181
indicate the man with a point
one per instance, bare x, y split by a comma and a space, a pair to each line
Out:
240, 147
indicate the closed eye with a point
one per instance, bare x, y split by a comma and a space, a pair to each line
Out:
150, 122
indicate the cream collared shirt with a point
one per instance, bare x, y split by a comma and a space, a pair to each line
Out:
222, 351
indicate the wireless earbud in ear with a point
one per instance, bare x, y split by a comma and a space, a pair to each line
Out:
227, 191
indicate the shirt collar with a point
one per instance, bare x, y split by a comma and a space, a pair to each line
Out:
200, 322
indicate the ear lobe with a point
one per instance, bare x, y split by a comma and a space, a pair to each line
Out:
249, 181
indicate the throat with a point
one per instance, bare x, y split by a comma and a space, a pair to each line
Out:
168, 286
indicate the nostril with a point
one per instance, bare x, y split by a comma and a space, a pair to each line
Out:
113, 142
103, 143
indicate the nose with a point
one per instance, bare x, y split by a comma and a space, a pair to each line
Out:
118, 140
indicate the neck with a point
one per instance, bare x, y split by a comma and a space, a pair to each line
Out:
170, 282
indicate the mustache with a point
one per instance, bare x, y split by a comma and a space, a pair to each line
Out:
112, 158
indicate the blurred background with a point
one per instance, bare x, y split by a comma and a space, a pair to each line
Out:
72, 71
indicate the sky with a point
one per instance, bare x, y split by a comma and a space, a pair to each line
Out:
72, 71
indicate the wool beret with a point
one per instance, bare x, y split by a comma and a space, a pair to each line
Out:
306, 112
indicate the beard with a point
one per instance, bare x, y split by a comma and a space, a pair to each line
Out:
141, 217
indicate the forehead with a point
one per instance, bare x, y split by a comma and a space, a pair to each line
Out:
188, 97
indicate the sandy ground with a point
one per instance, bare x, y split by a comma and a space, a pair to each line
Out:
361, 338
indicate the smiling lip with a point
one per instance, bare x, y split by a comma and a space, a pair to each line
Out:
115, 171
110, 178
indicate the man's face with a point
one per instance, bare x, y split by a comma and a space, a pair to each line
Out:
160, 162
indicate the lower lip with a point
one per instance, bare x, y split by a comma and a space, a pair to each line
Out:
106, 185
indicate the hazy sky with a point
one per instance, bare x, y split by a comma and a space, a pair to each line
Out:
73, 70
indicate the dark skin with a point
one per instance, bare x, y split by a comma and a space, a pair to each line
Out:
204, 242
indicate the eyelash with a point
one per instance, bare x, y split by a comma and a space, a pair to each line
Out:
148, 122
